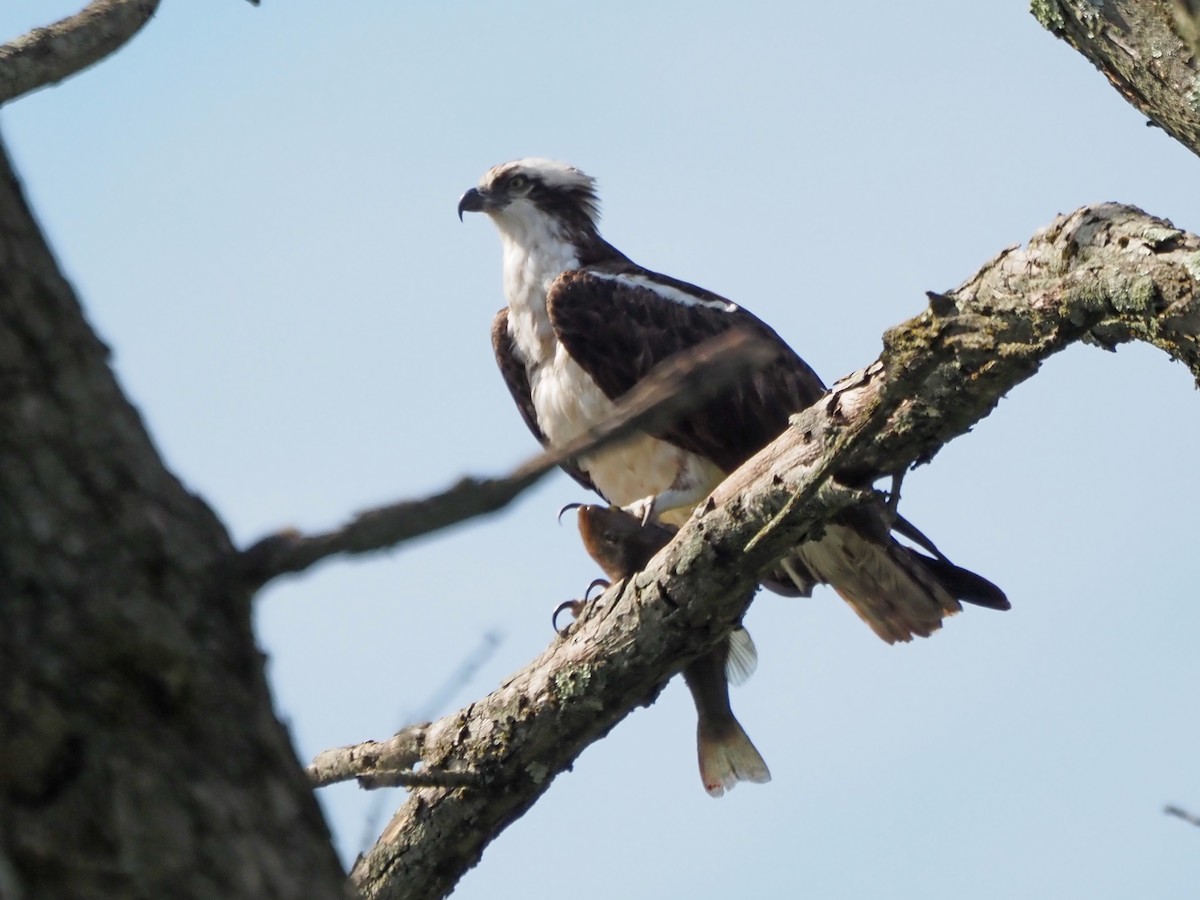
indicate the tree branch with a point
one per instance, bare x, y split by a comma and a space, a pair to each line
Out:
1179, 813
1145, 48
677, 386
48, 55
401, 751
1101, 275
1187, 23
379, 764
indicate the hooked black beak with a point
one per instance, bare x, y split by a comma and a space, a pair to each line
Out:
473, 200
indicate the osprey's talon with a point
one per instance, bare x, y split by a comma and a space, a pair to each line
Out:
602, 583
642, 510
893, 498
576, 606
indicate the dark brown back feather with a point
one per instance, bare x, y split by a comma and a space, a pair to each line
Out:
618, 332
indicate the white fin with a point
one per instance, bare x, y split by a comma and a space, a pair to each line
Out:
729, 759
743, 657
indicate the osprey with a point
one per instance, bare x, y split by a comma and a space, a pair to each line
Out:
584, 324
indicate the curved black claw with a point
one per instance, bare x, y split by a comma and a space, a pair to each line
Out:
602, 583
569, 506
575, 606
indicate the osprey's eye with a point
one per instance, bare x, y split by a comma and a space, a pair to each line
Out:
518, 183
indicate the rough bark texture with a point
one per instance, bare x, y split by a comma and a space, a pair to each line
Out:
48, 55
139, 755
1145, 48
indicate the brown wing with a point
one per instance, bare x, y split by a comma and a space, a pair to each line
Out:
517, 379
618, 321
619, 325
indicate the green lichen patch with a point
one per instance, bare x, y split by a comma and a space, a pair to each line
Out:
1159, 238
537, 772
573, 681
1137, 295
1192, 264
1049, 14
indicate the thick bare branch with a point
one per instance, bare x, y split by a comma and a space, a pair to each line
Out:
1145, 48
48, 55
678, 385
1103, 275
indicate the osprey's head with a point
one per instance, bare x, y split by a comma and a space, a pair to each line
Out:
523, 194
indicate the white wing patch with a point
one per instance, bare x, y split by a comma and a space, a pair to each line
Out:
666, 291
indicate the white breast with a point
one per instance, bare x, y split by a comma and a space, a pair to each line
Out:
567, 401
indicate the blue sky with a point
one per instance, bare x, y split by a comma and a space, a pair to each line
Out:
257, 207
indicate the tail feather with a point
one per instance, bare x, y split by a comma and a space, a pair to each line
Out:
964, 584
727, 757
899, 592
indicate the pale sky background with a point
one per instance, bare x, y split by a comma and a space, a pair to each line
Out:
258, 209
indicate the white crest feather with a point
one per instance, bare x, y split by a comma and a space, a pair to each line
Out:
550, 172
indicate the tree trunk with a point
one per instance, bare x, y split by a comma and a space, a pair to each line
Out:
139, 754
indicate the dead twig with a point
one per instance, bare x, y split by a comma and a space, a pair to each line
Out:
1182, 814
679, 385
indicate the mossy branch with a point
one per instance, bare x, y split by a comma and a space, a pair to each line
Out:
1147, 49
